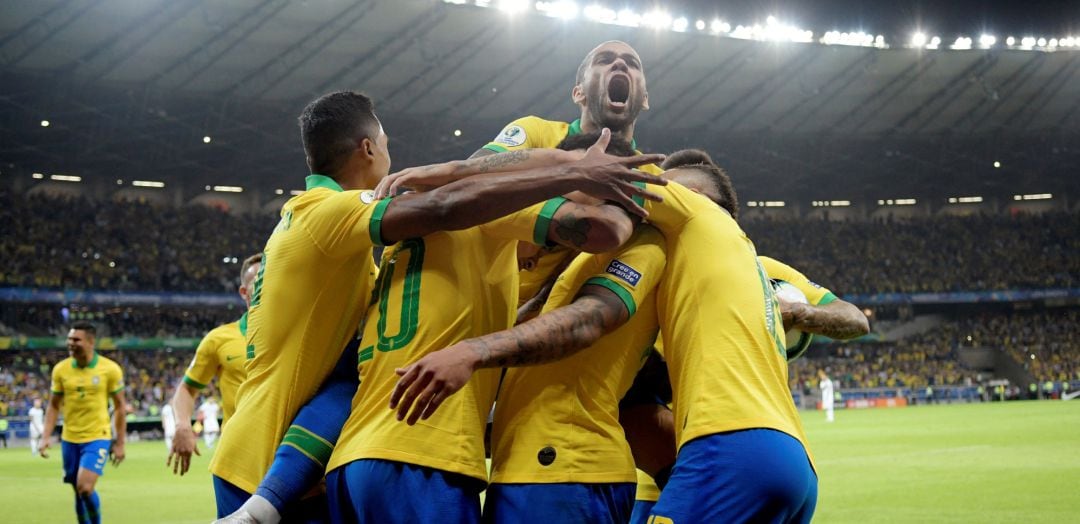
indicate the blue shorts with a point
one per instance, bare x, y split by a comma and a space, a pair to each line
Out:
559, 503
88, 455
384, 491
310, 510
642, 508
755, 475
229, 497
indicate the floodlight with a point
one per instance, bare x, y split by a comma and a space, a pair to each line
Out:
680, 24
918, 40
700, 25
987, 40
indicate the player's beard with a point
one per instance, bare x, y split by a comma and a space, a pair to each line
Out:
616, 122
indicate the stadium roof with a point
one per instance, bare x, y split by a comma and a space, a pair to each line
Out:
133, 87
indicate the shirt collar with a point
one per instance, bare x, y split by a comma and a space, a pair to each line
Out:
315, 180
242, 324
89, 365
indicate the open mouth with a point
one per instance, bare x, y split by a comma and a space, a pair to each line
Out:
618, 90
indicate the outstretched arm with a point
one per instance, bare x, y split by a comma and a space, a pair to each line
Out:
838, 319
549, 337
426, 178
479, 199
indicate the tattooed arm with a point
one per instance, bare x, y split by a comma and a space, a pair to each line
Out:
425, 178
552, 336
592, 229
838, 319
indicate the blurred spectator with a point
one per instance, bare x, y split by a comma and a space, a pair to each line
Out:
78, 244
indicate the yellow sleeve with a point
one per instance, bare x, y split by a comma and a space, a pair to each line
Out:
115, 380
636, 269
677, 208
778, 270
527, 225
205, 364
57, 387
347, 222
527, 133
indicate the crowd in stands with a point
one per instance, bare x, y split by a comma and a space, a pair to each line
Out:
69, 243
156, 322
75, 243
149, 376
928, 254
931, 358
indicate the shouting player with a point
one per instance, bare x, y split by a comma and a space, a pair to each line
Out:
82, 385
318, 274
221, 354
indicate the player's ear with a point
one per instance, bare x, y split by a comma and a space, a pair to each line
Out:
577, 94
645, 102
366, 147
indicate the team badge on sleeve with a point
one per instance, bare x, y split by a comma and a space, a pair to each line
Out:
624, 272
511, 136
367, 196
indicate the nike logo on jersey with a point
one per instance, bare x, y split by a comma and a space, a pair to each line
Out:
230, 358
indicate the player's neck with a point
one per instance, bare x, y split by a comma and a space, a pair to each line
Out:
588, 125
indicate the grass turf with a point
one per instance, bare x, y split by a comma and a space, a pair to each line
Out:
1012, 462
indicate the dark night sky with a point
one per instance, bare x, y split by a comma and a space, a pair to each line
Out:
897, 19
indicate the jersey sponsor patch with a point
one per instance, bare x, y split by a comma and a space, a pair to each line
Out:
512, 136
623, 272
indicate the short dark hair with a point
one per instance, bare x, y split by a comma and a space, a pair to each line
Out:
87, 327
332, 125
617, 146
700, 161
248, 262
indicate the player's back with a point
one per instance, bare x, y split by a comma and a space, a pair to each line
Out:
720, 324
433, 292
316, 278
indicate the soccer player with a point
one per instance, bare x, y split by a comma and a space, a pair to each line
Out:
826, 386
209, 411
649, 424
611, 92
37, 425
82, 385
318, 273
222, 354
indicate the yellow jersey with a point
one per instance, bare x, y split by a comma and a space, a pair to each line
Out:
433, 292
559, 422
221, 353
815, 294
86, 392
647, 489
720, 323
307, 301
533, 132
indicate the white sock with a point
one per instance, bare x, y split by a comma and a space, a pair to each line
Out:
262, 510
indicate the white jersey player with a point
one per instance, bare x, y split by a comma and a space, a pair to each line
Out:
209, 410
168, 424
37, 426
827, 395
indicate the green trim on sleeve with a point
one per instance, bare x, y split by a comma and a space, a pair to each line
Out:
375, 227
117, 390
828, 298
61, 393
543, 222
193, 383
496, 148
622, 293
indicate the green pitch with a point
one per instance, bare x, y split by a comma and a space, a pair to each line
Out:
1013, 462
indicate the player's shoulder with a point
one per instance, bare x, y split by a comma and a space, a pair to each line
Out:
63, 366
535, 121
108, 363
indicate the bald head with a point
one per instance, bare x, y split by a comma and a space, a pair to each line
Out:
615, 45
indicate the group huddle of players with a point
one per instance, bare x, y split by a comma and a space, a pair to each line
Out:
600, 307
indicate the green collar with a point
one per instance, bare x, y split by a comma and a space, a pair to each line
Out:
90, 365
575, 129
315, 180
243, 321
